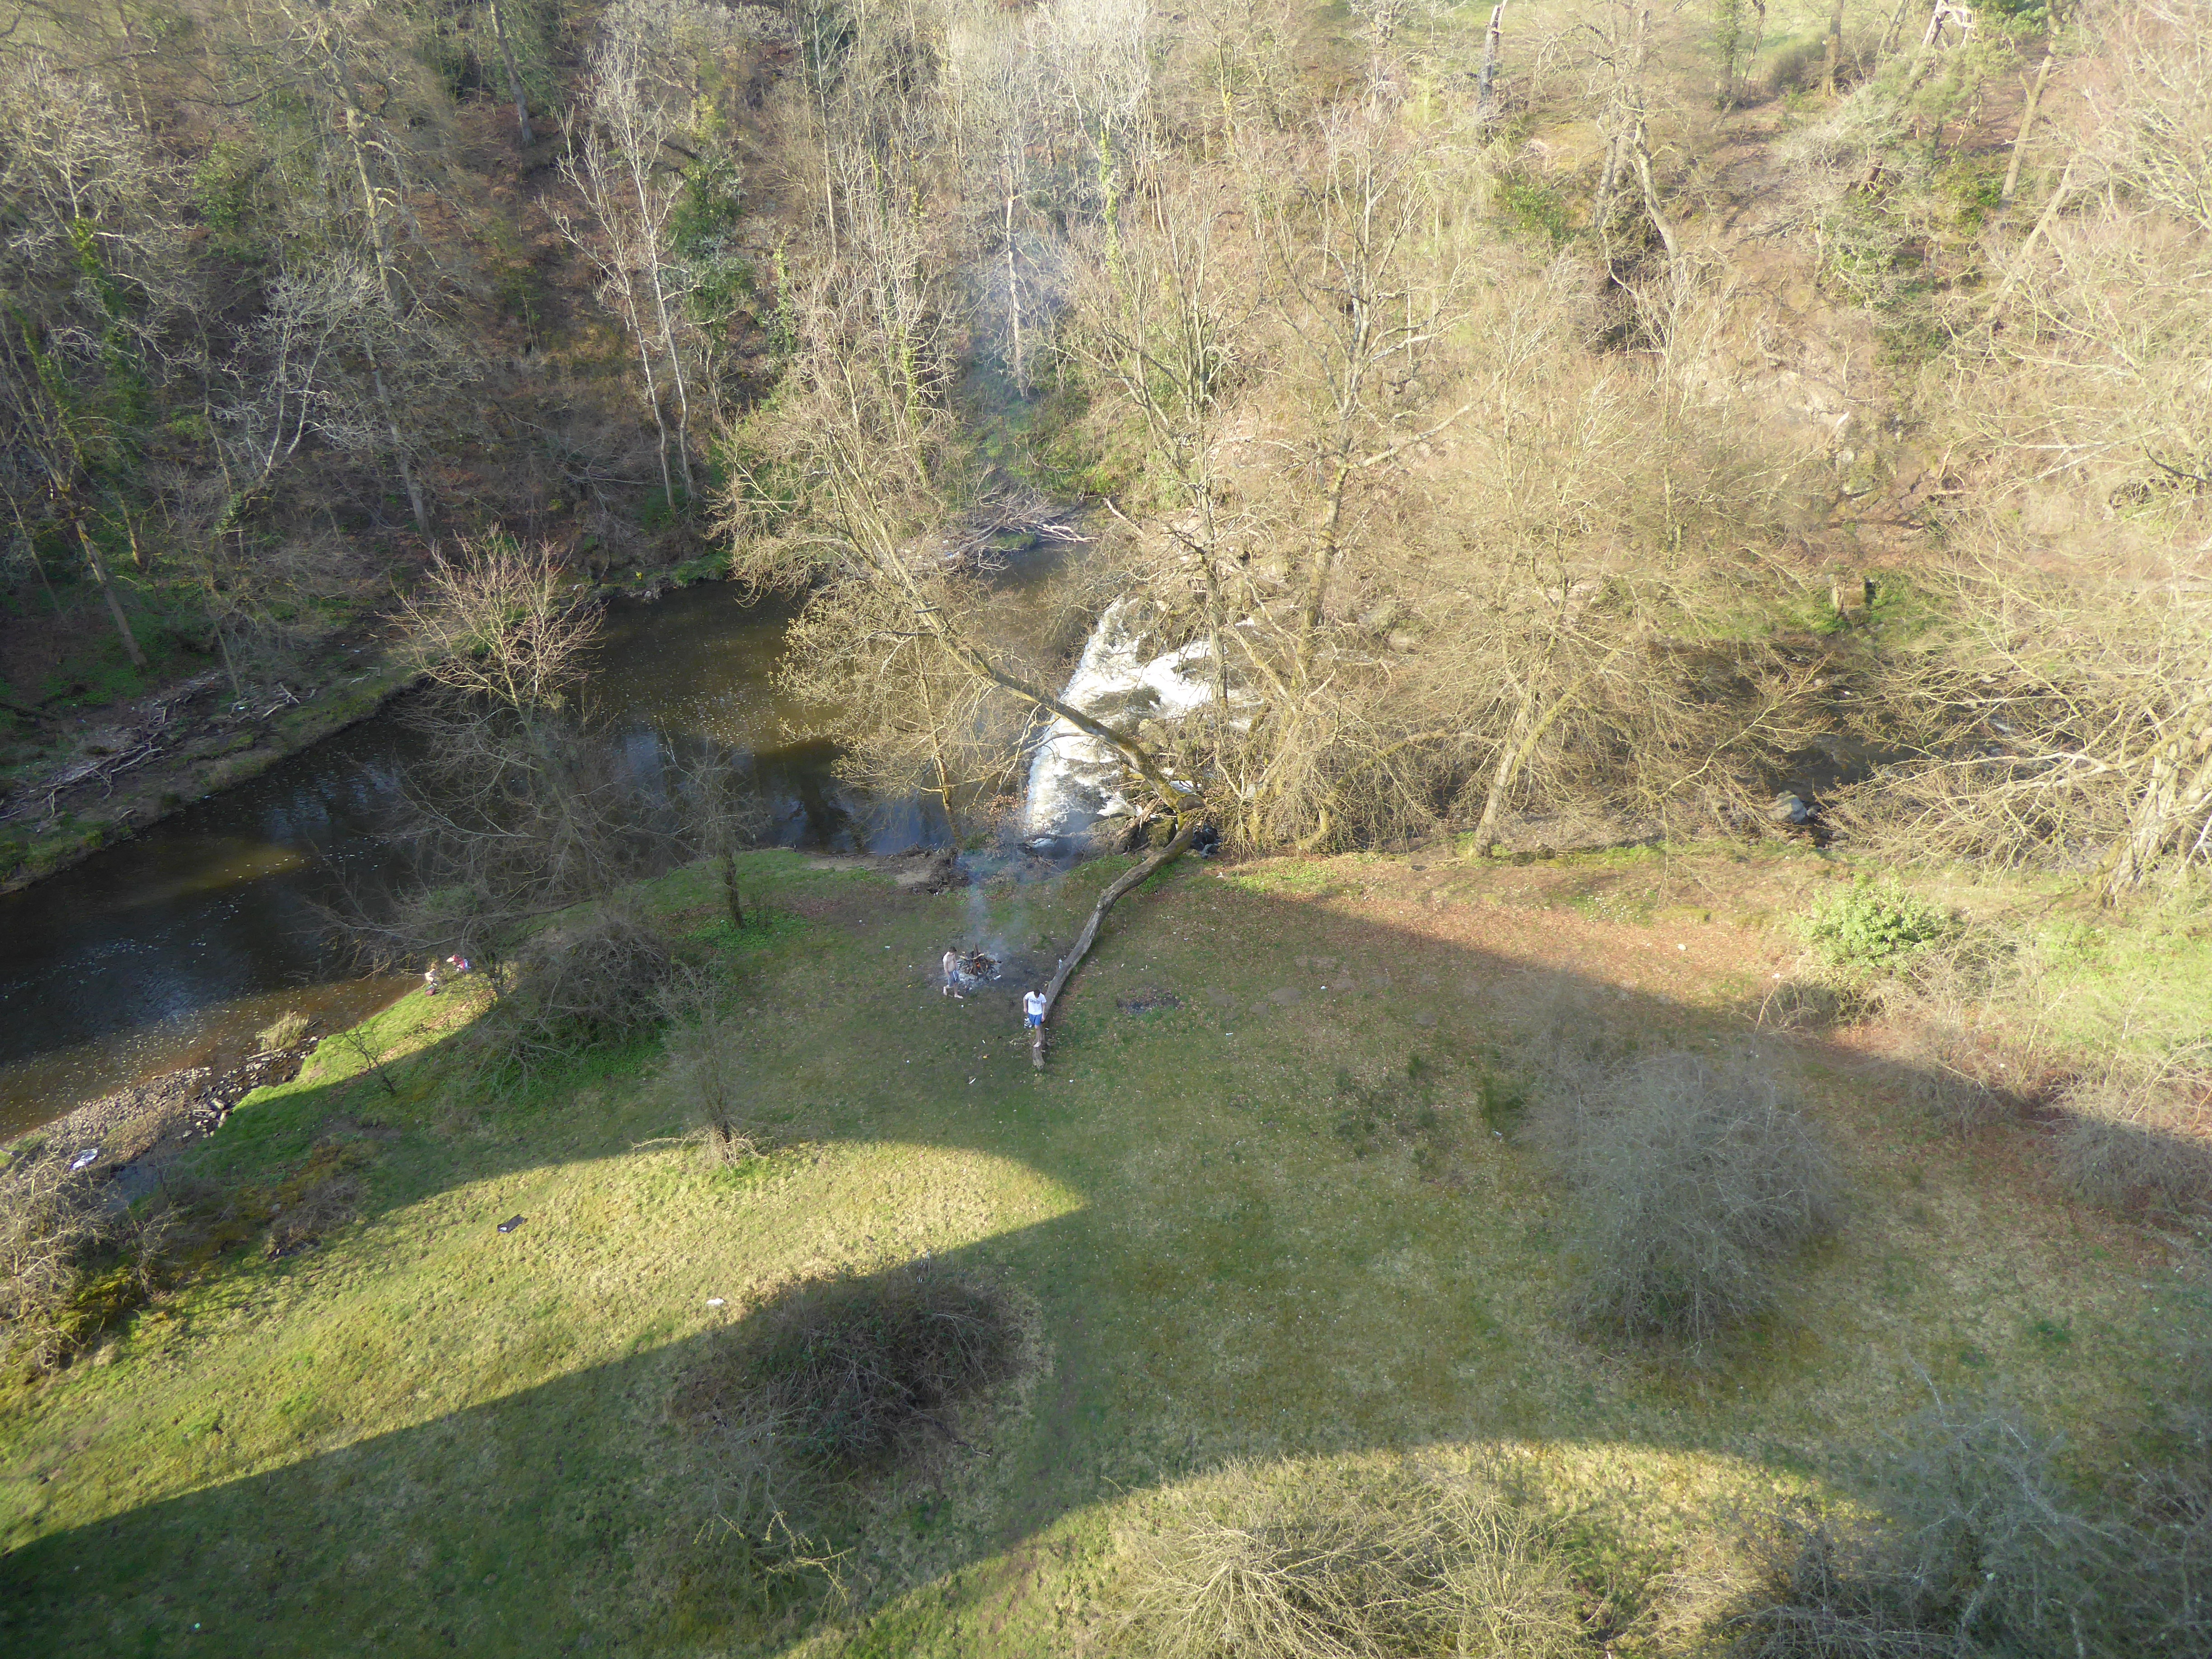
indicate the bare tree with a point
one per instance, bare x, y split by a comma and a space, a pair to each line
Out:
93, 263
363, 85
1622, 48
514, 70
501, 623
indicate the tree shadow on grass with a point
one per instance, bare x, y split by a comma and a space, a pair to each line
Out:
1266, 1257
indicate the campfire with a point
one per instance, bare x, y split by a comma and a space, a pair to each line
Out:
965, 969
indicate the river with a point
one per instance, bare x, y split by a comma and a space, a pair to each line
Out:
174, 948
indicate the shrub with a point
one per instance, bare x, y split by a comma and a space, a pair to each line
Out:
575, 988
285, 1031
706, 1069
49, 1229
850, 1375
1982, 1549
2137, 1144
1696, 1184
71, 1265
1874, 927
1300, 1564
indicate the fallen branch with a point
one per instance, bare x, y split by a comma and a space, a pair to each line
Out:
1083, 941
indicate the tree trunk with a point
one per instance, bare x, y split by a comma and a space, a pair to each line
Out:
1835, 56
1529, 731
730, 896
398, 444
1640, 134
2178, 794
2026, 120
1013, 296
652, 395
31, 548
649, 228
1485, 97
513, 73
355, 119
1895, 32
1129, 881
107, 591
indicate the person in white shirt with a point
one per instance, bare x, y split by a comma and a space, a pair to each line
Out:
952, 975
1033, 1007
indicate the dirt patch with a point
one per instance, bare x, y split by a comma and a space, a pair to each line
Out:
1150, 999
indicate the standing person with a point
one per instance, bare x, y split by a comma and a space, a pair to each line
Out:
1033, 1007
952, 975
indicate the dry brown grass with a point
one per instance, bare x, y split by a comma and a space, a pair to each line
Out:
2138, 1141
282, 1032
1289, 1563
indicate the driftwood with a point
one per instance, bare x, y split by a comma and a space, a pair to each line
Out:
1024, 512
141, 741
1083, 941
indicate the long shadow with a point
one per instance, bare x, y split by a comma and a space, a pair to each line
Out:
534, 1523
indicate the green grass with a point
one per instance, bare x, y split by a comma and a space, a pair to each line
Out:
1277, 1221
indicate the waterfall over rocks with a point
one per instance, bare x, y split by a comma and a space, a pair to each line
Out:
1124, 679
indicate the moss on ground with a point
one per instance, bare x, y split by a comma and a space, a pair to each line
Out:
1272, 1215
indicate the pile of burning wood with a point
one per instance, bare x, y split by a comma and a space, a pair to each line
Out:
966, 970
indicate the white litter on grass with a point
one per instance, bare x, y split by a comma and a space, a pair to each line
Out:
85, 1160
714, 1302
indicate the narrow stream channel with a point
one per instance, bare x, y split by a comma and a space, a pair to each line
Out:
172, 949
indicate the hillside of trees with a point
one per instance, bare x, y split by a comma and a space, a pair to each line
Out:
1577, 422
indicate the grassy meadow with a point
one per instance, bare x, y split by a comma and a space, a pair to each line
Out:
1266, 1205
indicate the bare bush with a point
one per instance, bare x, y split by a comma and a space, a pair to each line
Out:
517, 810
1300, 1563
598, 980
501, 623
1696, 1184
850, 1376
706, 1069
2139, 1141
50, 1224
1982, 1548
71, 1264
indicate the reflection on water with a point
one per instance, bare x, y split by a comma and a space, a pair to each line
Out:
174, 948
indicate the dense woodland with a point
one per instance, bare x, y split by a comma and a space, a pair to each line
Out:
1601, 420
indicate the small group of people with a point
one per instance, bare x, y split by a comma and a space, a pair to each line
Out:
1034, 1002
437, 973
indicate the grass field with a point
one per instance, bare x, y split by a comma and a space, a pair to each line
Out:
1265, 1202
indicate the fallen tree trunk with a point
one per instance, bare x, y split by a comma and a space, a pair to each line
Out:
1083, 941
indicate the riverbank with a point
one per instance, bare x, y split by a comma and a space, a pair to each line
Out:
1267, 1201
109, 772
87, 776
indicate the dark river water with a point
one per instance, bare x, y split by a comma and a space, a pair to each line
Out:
174, 948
